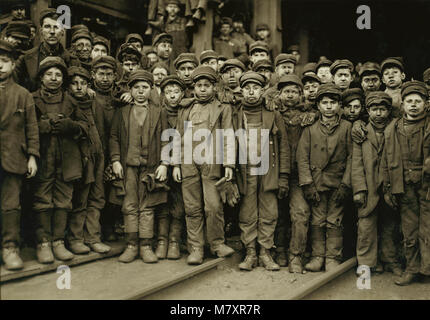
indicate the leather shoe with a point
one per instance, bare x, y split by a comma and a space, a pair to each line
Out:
173, 252
315, 264
44, 253
78, 247
406, 279
222, 250
195, 256
100, 247
295, 265
266, 260
129, 254
281, 258
60, 251
161, 250
331, 264
11, 258
147, 255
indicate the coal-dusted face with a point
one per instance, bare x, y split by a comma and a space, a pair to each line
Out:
140, 91
52, 78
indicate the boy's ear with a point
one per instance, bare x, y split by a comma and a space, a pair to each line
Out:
403, 76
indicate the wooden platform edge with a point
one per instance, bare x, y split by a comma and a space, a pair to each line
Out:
160, 285
315, 284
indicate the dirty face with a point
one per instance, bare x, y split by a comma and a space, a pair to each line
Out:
324, 74
370, 82
231, 77
52, 78
413, 105
99, 50
7, 65
78, 87
204, 89
184, 72
393, 77
104, 77
83, 48
378, 113
173, 94
328, 106
342, 78
284, 69
159, 74
140, 91
310, 90
352, 110
252, 92
290, 95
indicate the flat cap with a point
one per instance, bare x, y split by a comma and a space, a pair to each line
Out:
258, 45
82, 34
134, 36
309, 67
222, 58
104, 62
289, 79
351, 94
426, 75
6, 47
263, 63
160, 64
173, 79
204, 72
328, 89
78, 27
323, 62
52, 61
230, 63
140, 75
341, 64
378, 97
285, 57
103, 41
392, 62
226, 20
310, 77
414, 86
18, 4
78, 71
369, 68
18, 29
128, 48
49, 12
292, 48
177, 2
162, 37
262, 26
252, 76
208, 54
185, 57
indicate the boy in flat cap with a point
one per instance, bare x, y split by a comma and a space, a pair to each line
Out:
159, 72
262, 33
209, 58
151, 56
18, 34
226, 45
342, 73
135, 151
19, 145
162, 45
258, 51
101, 47
171, 214
230, 91
265, 68
60, 165
88, 197
311, 82
199, 175
406, 181
174, 24
377, 222
185, 64
370, 77
294, 49
324, 163
26, 71
393, 76
353, 105
260, 183
323, 70
82, 45
295, 115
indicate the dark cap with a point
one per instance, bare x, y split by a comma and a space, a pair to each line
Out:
230, 63
328, 89
208, 54
17, 4
309, 67
252, 76
133, 36
128, 48
204, 72
369, 68
263, 63
104, 62
173, 79
351, 94
378, 97
293, 47
162, 37
310, 77
78, 71
258, 45
177, 2
185, 57
18, 29
7, 48
289, 79
323, 62
140, 75
52, 61
160, 64
426, 75
103, 41
285, 57
49, 12
238, 17
222, 58
414, 86
78, 27
262, 26
392, 62
82, 34
226, 20
341, 64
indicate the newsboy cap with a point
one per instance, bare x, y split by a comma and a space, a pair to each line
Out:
351, 94
82, 34
78, 71
323, 62
309, 67
208, 54
284, 58
262, 26
140, 75
263, 63
426, 75
289, 79
104, 61
204, 72
52, 61
128, 48
185, 57
18, 29
162, 37
328, 89
134, 36
414, 86
369, 68
292, 48
103, 41
310, 77
378, 97
226, 20
253, 77
392, 62
172, 79
230, 63
49, 12
341, 64
258, 45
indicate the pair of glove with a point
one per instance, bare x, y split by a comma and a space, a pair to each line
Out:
228, 191
311, 194
153, 184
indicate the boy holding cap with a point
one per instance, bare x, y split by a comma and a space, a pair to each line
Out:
393, 76
260, 188
377, 222
324, 163
406, 181
135, 151
199, 175
19, 141
88, 198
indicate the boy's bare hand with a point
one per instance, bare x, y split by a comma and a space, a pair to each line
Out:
228, 173
31, 167
177, 176
126, 97
161, 173
117, 170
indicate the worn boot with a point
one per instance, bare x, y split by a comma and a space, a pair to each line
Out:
222, 250
161, 251
281, 257
11, 258
406, 279
334, 248
295, 264
100, 247
318, 249
60, 251
250, 261
266, 260
146, 253
44, 253
78, 247
173, 252
196, 256
131, 251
